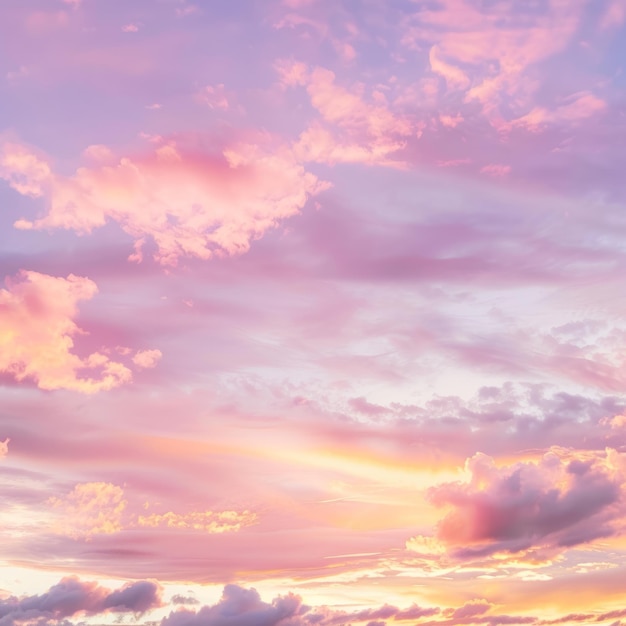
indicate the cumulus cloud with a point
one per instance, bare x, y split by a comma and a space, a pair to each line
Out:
24, 169
191, 204
90, 509
146, 359
240, 607
36, 335
243, 607
563, 500
4, 448
71, 597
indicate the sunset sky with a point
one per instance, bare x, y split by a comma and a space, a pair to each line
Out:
312, 312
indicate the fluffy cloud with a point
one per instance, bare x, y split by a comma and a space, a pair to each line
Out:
147, 358
36, 335
190, 203
90, 509
563, 500
71, 597
240, 607
244, 607
26, 171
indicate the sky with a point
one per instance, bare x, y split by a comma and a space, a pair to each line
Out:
312, 312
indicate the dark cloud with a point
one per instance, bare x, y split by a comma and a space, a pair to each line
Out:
71, 597
558, 502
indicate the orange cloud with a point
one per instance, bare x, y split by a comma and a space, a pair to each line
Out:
90, 509
215, 522
37, 330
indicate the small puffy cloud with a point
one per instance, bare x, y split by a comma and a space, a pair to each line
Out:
147, 359
191, 204
37, 327
90, 509
26, 171
563, 500
214, 522
4, 448
71, 597
451, 121
454, 76
130, 28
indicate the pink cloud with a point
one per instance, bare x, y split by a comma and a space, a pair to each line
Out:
291, 73
496, 45
347, 110
99, 153
26, 171
454, 76
37, 314
471, 609
189, 203
563, 500
147, 358
4, 448
363, 132
451, 121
